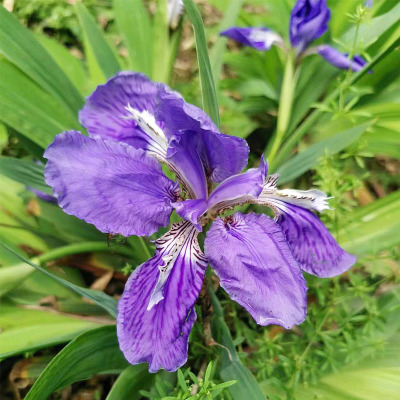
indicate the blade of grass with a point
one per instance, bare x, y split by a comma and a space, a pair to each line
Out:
232, 368
161, 44
218, 50
100, 298
19, 46
95, 40
93, 352
135, 26
209, 97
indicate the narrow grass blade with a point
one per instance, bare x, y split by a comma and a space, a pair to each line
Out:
302, 162
23, 171
93, 352
210, 102
100, 298
96, 43
19, 46
135, 26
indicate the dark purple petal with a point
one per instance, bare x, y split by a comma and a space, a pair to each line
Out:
109, 111
239, 188
250, 255
259, 38
111, 185
156, 311
221, 155
312, 245
308, 21
341, 60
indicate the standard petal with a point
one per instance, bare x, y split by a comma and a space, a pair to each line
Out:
183, 158
250, 255
238, 188
308, 21
340, 60
156, 311
259, 38
123, 110
111, 185
312, 245
222, 155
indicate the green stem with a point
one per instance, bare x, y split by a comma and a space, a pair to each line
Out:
309, 121
285, 105
78, 248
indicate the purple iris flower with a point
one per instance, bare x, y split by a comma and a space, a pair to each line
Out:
113, 179
308, 21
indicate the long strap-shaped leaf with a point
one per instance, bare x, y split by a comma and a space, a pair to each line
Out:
218, 50
130, 381
210, 102
19, 46
307, 159
232, 368
100, 298
96, 44
135, 26
25, 172
93, 352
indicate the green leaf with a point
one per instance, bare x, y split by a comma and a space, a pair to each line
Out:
210, 102
96, 43
233, 369
100, 298
131, 380
161, 45
72, 66
135, 27
23, 171
25, 330
30, 110
372, 228
383, 141
219, 47
12, 276
302, 162
19, 46
371, 31
91, 353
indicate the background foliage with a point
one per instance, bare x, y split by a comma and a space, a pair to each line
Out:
60, 278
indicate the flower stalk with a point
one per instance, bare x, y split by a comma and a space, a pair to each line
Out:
285, 104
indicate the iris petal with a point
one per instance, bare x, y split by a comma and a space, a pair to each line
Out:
308, 21
111, 185
312, 245
156, 311
110, 111
221, 155
340, 60
259, 38
250, 255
